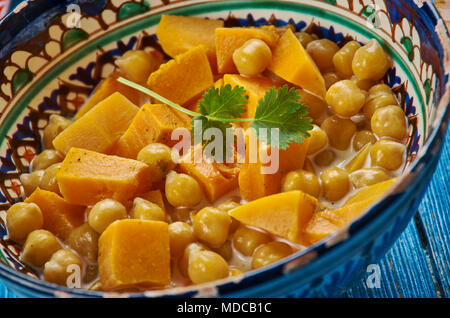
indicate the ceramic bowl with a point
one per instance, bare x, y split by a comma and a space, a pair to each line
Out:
52, 55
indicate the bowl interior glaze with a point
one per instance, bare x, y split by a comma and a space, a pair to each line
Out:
52, 67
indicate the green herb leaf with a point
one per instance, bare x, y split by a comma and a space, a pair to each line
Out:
224, 103
280, 108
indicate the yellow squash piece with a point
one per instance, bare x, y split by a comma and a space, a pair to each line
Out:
60, 217
230, 39
284, 214
178, 34
153, 123
216, 179
255, 87
253, 183
318, 228
100, 128
184, 77
105, 89
291, 62
357, 162
375, 190
347, 213
87, 177
134, 253
154, 196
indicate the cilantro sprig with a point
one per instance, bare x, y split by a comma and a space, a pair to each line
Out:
219, 107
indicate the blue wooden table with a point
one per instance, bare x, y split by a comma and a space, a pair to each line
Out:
418, 265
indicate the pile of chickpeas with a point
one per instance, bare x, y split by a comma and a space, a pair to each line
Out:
206, 243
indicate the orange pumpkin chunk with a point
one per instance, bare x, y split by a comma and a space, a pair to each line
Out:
177, 34
318, 228
230, 39
106, 88
60, 217
215, 178
291, 62
153, 123
86, 177
100, 128
346, 213
134, 253
154, 196
284, 214
184, 77
254, 183
255, 88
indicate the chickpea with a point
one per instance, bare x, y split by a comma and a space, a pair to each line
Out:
206, 266
378, 101
379, 89
58, 269
212, 226
90, 273
22, 219
322, 52
56, 125
183, 262
324, 158
235, 272
181, 234
318, 140
316, 106
343, 58
370, 61
48, 181
159, 158
269, 253
387, 154
339, 131
182, 190
304, 38
364, 84
330, 78
362, 138
367, 176
104, 213
253, 57
39, 247
84, 240
246, 240
137, 65
146, 210
30, 181
302, 180
335, 183
228, 206
225, 250
345, 98
389, 121
45, 159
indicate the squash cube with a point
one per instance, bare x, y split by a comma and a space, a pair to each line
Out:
255, 88
100, 128
375, 190
153, 123
291, 62
318, 228
154, 196
134, 253
346, 213
106, 88
284, 214
216, 179
178, 34
230, 39
184, 77
253, 183
60, 217
86, 177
